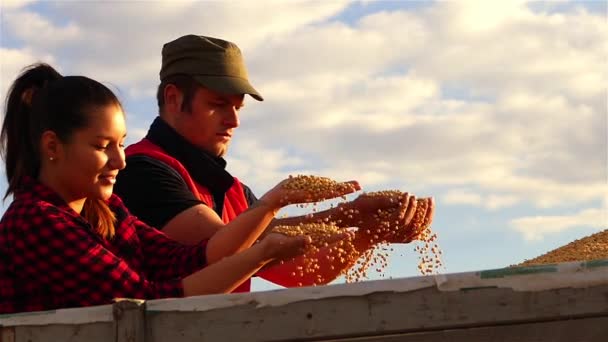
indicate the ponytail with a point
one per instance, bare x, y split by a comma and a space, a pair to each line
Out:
17, 146
98, 214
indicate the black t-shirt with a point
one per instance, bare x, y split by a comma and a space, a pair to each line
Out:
155, 192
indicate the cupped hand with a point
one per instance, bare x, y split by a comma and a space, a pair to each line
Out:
283, 247
387, 225
367, 205
308, 189
279, 248
422, 220
404, 225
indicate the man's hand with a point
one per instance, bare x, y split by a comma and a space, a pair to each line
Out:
358, 212
398, 225
422, 220
308, 189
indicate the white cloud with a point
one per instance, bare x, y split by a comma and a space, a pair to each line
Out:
39, 31
537, 227
94, 38
461, 196
377, 104
555, 53
260, 167
531, 136
491, 201
14, 4
474, 16
495, 202
135, 134
12, 63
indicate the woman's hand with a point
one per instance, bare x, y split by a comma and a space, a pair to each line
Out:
283, 247
279, 247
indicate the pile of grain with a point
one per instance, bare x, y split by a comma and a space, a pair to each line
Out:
592, 247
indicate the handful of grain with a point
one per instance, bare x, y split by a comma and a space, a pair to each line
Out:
418, 230
317, 187
320, 233
394, 195
341, 253
354, 265
415, 230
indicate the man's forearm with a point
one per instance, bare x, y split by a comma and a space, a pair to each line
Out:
338, 215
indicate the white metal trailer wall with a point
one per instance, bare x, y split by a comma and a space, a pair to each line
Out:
564, 302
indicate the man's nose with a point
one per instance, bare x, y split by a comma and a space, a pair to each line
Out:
231, 119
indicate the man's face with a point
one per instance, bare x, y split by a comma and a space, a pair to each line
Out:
211, 123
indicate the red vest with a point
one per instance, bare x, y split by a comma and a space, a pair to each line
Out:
234, 200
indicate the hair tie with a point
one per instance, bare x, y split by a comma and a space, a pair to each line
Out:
26, 96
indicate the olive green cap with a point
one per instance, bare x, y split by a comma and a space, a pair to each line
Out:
214, 63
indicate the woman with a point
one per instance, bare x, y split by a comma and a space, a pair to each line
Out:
67, 241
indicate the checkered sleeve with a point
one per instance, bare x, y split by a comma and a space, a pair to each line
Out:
63, 256
165, 258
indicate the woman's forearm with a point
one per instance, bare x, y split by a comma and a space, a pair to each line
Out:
242, 232
226, 274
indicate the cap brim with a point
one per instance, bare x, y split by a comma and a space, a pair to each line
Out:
228, 85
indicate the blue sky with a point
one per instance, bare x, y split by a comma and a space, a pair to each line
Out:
497, 109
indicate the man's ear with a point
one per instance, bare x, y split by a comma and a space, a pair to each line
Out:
50, 146
173, 98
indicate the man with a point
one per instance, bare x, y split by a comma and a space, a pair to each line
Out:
175, 178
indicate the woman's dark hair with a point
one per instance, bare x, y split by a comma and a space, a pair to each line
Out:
39, 100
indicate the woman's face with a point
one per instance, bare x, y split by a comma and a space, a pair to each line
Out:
86, 166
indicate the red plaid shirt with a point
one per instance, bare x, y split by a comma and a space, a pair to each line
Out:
50, 257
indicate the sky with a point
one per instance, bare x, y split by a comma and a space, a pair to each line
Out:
497, 109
